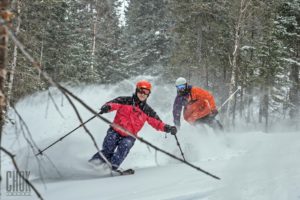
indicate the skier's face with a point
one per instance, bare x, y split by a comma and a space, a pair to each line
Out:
182, 90
143, 94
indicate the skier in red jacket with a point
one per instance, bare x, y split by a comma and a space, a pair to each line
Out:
198, 105
132, 113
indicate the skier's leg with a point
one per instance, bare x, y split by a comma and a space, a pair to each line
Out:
211, 122
215, 124
110, 143
219, 125
123, 149
202, 122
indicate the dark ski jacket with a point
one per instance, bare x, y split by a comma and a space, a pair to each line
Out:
132, 115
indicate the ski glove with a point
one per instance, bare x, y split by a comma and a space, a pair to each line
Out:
170, 129
105, 109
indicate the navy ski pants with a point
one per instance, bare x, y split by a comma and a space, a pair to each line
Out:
115, 148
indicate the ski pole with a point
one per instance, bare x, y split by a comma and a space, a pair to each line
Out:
60, 139
238, 88
179, 147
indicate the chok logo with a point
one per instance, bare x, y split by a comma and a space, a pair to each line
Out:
15, 185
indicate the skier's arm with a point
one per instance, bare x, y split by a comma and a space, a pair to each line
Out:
177, 108
156, 123
160, 126
114, 104
154, 120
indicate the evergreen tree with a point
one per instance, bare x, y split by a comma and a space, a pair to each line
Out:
108, 64
288, 31
147, 36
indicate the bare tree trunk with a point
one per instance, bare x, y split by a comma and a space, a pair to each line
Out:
242, 107
189, 75
206, 75
95, 19
234, 108
238, 29
249, 90
249, 107
294, 93
199, 43
266, 109
264, 105
3, 58
94, 46
42, 52
15, 55
199, 46
260, 112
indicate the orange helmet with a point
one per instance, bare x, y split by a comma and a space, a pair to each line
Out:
144, 85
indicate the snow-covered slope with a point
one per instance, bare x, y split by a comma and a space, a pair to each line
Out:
251, 165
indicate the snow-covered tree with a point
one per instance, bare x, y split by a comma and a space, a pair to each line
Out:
147, 36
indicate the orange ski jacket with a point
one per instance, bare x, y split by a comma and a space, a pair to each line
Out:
197, 104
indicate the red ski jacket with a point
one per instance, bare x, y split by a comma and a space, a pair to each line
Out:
132, 115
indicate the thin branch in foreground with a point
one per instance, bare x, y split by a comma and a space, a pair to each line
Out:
55, 105
31, 143
47, 108
81, 122
43, 73
88, 132
19, 173
54, 166
23, 123
27, 129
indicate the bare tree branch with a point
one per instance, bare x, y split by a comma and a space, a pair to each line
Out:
52, 82
31, 141
88, 132
15, 54
19, 173
55, 105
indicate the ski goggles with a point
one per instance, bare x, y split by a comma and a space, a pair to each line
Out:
181, 87
143, 91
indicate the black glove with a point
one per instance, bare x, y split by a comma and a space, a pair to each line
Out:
105, 109
170, 129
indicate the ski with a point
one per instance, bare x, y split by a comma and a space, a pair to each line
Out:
125, 172
99, 165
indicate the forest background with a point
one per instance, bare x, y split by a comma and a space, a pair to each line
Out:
216, 44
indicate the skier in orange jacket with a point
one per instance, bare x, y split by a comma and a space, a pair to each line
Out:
199, 106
